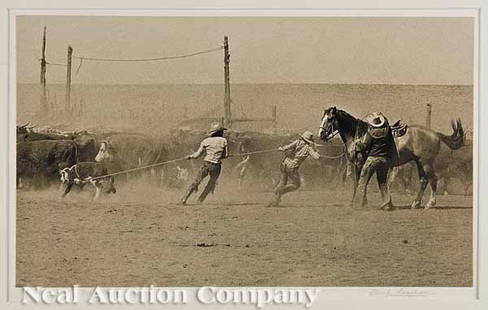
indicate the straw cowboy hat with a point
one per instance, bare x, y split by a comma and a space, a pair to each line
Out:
214, 127
376, 119
308, 137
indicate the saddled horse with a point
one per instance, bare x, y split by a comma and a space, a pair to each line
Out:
419, 144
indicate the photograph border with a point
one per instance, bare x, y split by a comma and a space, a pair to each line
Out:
475, 296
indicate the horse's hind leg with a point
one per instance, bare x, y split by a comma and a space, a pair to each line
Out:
429, 170
423, 184
382, 177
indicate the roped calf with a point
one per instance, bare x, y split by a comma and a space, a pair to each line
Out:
85, 172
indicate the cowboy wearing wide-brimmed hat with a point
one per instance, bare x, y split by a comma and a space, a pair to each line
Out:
376, 119
379, 147
215, 127
215, 149
295, 154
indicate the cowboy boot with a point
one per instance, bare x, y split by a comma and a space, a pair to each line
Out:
187, 195
276, 201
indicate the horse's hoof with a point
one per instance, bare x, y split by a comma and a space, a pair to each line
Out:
415, 205
429, 205
387, 207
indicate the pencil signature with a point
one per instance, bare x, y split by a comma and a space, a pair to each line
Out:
400, 292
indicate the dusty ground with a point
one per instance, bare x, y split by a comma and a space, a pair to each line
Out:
140, 237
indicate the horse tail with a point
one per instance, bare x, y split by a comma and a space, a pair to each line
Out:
458, 137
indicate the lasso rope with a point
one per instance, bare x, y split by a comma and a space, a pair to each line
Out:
139, 168
185, 158
254, 152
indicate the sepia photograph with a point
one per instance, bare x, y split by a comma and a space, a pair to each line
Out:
244, 151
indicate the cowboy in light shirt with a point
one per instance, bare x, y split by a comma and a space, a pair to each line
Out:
295, 154
215, 149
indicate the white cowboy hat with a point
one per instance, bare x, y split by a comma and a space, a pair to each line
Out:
376, 119
308, 137
214, 127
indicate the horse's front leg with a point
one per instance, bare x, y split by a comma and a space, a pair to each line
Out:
97, 188
67, 188
392, 176
355, 172
365, 174
242, 169
357, 168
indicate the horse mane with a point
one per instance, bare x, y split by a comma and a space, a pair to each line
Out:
351, 124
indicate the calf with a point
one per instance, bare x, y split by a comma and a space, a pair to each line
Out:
84, 172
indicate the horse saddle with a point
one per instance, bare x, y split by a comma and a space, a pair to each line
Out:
399, 129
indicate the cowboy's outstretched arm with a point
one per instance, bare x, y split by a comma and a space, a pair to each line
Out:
198, 153
225, 153
288, 146
314, 154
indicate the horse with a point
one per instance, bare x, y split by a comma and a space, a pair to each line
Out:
419, 144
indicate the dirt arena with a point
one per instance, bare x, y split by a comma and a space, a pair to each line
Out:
140, 237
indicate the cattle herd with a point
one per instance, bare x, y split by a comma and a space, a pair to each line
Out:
44, 154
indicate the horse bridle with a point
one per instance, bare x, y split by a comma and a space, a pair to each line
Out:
333, 130
332, 135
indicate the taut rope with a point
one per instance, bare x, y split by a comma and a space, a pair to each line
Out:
184, 158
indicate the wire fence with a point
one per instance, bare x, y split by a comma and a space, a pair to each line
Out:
161, 58
78, 110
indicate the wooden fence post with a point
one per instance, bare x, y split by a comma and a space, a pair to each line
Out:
43, 108
227, 100
68, 80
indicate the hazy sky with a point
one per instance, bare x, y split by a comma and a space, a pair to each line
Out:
263, 50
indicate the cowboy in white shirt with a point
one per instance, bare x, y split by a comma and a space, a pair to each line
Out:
215, 149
